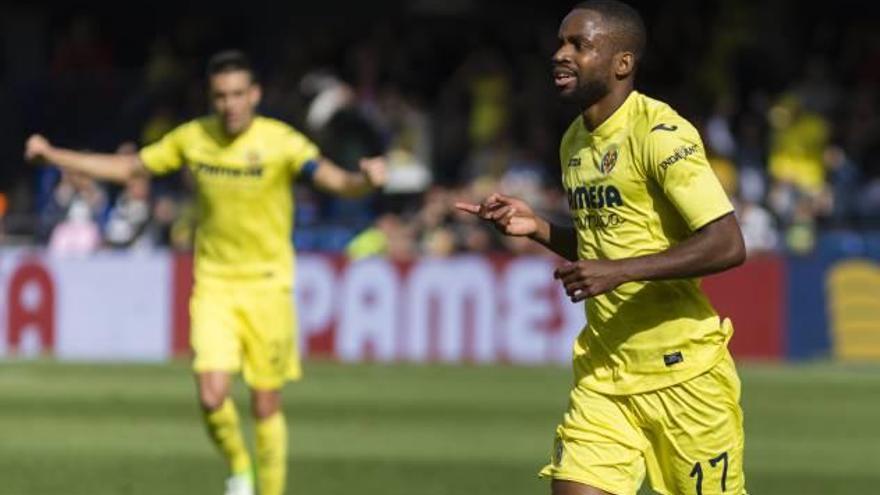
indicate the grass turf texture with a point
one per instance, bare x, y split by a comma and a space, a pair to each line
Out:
77, 429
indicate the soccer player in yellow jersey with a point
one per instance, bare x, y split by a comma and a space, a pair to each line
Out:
655, 390
241, 310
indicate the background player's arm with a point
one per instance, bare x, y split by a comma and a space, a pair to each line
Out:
331, 178
515, 217
116, 167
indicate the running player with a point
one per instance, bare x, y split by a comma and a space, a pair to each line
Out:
655, 389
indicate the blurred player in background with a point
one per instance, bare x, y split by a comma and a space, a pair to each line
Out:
242, 317
655, 387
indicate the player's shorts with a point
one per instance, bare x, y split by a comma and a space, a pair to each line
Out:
245, 326
688, 438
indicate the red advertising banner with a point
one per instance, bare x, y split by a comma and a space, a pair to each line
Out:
478, 309
463, 309
30, 306
753, 297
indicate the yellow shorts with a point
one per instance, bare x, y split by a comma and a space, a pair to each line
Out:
688, 438
245, 326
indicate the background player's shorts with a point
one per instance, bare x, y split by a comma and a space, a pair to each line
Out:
247, 326
687, 437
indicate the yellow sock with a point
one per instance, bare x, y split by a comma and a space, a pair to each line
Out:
271, 440
225, 431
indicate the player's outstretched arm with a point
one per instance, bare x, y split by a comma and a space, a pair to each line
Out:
713, 248
113, 167
514, 217
331, 178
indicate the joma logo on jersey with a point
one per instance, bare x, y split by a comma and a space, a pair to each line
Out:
593, 197
574, 161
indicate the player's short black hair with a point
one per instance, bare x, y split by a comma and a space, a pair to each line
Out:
230, 61
631, 32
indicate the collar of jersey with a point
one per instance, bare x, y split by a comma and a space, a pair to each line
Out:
215, 129
615, 121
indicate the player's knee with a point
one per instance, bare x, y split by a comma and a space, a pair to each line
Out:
211, 399
265, 411
265, 404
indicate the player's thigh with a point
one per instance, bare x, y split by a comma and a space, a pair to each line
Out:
214, 329
698, 442
271, 355
560, 487
597, 445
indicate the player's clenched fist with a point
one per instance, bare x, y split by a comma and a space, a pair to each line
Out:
588, 278
374, 170
510, 216
36, 147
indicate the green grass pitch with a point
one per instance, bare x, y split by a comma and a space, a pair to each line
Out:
78, 429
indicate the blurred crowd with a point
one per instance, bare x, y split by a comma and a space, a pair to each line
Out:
462, 107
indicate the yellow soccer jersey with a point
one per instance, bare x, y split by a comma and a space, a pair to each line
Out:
244, 192
638, 184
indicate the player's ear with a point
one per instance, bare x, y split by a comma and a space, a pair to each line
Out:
256, 94
624, 64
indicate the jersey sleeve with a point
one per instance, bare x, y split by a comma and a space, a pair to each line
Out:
302, 153
165, 155
675, 159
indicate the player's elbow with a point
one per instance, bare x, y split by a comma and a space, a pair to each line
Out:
739, 256
727, 243
735, 255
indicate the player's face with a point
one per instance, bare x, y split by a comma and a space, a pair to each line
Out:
235, 96
582, 66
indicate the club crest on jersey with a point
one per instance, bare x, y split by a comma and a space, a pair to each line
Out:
252, 157
609, 160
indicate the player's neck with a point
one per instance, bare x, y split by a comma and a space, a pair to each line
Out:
232, 136
598, 112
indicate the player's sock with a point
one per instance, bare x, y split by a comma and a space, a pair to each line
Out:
271, 440
225, 431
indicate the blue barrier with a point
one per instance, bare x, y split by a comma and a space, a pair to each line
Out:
809, 332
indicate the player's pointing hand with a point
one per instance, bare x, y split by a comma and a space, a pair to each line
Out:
510, 216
